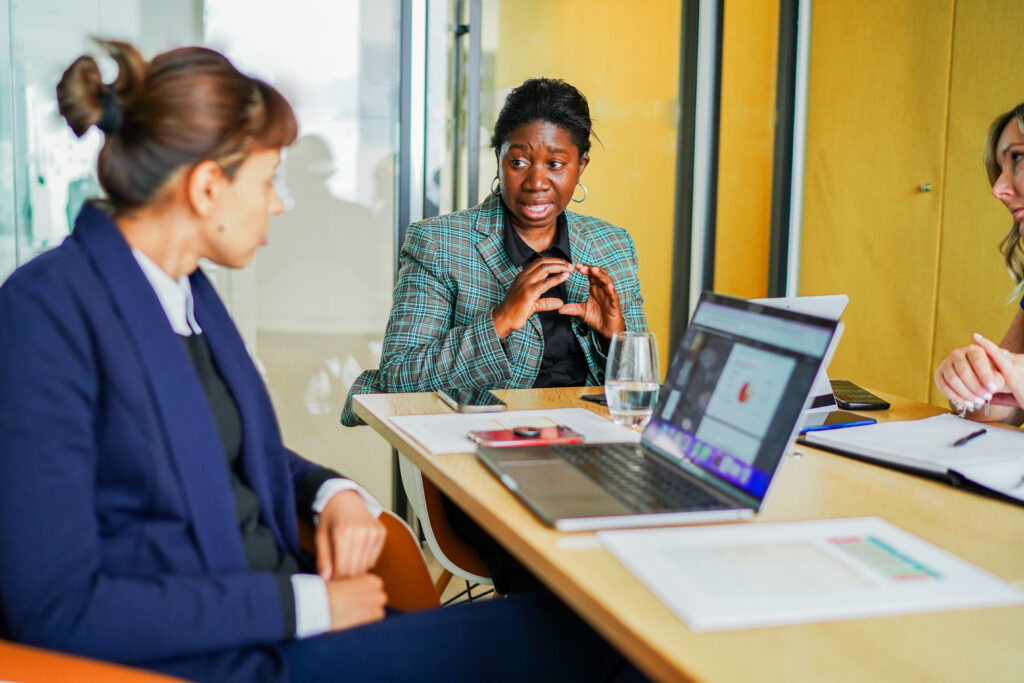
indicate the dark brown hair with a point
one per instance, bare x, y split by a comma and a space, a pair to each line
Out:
183, 107
1013, 250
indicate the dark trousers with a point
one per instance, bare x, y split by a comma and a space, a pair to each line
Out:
529, 637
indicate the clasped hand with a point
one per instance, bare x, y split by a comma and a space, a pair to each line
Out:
349, 541
981, 373
601, 311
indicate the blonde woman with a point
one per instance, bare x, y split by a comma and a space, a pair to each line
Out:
983, 372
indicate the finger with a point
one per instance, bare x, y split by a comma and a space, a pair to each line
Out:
573, 309
1005, 399
609, 288
954, 399
538, 288
1001, 358
548, 265
595, 273
322, 542
357, 551
381, 540
548, 303
966, 367
374, 545
368, 541
551, 259
546, 271
345, 553
985, 366
951, 386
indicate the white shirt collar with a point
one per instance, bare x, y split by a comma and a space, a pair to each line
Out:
175, 296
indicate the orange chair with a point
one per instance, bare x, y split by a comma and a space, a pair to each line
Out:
406, 580
406, 577
31, 665
456, 557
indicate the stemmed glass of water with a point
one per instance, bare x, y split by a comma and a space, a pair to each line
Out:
631, 378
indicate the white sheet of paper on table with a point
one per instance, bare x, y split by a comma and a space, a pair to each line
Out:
753, 575
446, 433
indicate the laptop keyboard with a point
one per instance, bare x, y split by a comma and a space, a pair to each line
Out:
638, 481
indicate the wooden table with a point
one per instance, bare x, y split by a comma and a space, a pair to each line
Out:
981, 645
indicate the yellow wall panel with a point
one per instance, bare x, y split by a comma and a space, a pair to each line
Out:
985, 82
750, 33
624, 57
876, 131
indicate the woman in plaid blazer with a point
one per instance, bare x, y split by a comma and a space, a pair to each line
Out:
515, 292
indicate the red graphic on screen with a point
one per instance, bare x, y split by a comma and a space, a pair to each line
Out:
745, 392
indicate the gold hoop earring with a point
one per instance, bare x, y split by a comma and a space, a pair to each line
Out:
580, 201
495, 190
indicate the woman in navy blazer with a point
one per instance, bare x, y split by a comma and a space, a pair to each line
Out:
148, 509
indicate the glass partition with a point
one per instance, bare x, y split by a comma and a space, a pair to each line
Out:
314, 304
45, 172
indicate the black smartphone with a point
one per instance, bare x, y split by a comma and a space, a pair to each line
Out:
599, 399
471, 400
835, 419
852, 397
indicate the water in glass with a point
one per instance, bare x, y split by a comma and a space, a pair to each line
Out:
631, 378
631, 402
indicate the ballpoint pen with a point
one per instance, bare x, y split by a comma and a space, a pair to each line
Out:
964, 439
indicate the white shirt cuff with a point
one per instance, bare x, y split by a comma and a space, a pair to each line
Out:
312, 607
332, 487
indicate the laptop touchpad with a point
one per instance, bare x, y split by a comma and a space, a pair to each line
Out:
561, 489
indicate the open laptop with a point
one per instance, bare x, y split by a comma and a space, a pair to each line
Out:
726, 414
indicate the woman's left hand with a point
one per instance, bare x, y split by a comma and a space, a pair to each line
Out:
349, 539
601, 310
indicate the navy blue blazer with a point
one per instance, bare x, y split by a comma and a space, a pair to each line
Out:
118, 533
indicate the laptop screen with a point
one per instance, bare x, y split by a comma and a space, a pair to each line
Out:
735, 389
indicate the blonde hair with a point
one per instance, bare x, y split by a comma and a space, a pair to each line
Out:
1011, 245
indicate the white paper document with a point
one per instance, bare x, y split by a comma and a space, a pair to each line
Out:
994, 459
753, 575
446, 433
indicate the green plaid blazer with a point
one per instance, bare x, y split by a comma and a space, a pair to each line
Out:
453, 272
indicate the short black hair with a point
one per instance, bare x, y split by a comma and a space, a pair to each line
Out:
545, 99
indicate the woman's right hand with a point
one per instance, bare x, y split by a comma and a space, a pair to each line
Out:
355, 601
968, 377
526, 295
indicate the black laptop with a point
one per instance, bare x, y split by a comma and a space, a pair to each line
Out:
728, 411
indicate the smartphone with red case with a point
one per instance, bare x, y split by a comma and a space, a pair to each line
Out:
525, 436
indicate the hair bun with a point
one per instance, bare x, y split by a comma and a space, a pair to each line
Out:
80, 95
